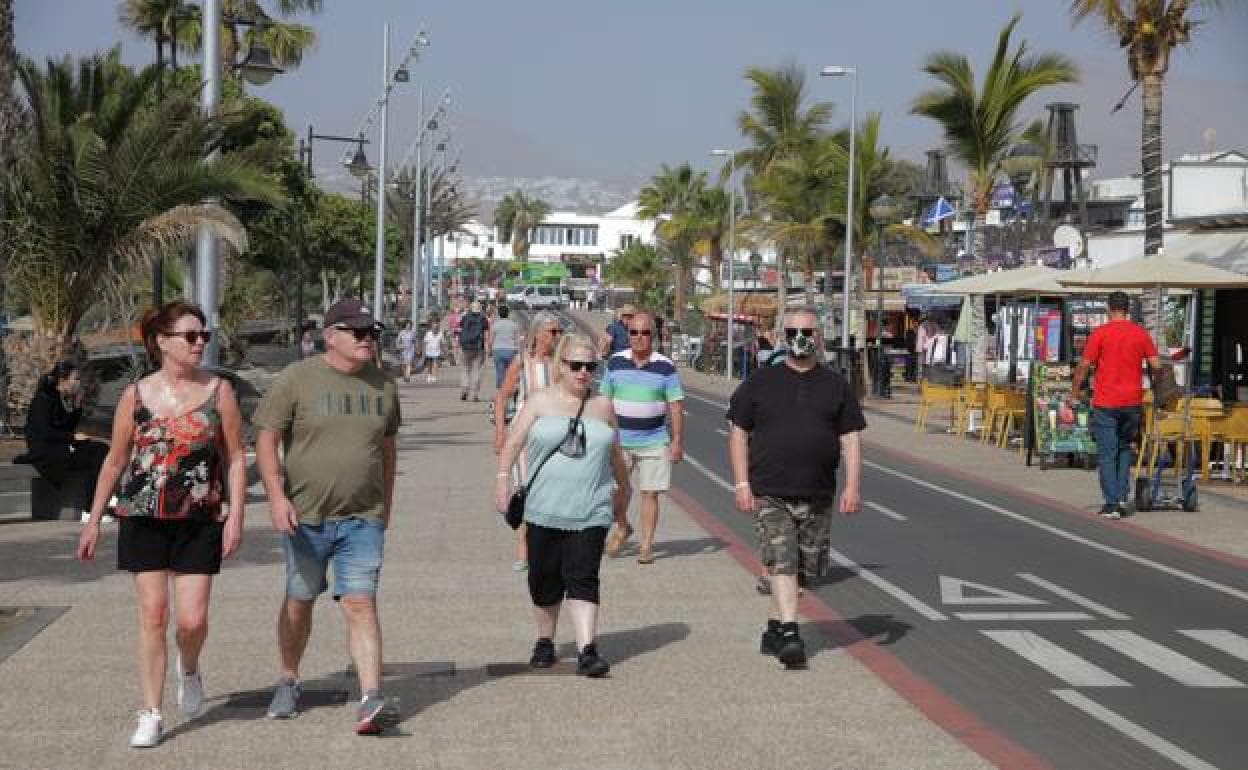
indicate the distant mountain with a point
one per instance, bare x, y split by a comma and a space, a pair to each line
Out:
584, 196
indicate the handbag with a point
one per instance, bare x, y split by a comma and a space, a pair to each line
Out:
514, 515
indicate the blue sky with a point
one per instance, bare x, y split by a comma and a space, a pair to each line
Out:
612, 89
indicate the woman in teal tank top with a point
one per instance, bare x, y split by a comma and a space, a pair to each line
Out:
572, 499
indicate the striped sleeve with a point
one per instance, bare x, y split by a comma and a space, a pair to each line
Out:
672, 390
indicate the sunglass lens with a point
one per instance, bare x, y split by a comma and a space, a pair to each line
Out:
639, 332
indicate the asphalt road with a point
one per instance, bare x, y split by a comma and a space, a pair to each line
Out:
1085, 644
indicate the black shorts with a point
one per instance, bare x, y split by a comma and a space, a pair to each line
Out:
564, 563
190, 547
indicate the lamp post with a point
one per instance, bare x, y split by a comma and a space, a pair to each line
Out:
379, 255
838, 71
882, 210
732, 249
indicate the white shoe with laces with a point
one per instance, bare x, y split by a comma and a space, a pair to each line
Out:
149, 732
190, 693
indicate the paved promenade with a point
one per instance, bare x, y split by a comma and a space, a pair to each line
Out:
687, 688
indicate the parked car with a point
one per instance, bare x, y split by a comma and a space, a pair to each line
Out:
542, 297
515, 295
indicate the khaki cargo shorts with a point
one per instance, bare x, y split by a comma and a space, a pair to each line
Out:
653, 465
794, 535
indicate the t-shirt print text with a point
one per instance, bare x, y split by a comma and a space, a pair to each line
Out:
350, 404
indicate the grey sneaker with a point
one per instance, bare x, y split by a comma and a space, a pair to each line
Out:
285, 703
373, 716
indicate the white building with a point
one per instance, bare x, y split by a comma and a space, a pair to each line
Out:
563, 236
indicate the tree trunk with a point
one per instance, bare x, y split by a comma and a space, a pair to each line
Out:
8, 110
1150, 159
717, 260
808, 277
682, 290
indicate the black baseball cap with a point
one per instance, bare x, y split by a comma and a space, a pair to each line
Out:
351, 313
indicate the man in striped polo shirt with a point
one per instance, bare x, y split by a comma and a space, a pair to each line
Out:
645, 389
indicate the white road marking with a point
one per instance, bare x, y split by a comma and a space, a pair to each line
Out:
900, 594
1162, 659
1071, 596
705, 400
889, 512
710, 474
953, 591
1059, 532
894, 591
1057, 661
997, 617
1226, 641
1130, 729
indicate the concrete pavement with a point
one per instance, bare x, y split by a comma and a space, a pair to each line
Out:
687, 689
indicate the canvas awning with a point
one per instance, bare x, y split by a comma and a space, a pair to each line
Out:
761, 306
1155, 272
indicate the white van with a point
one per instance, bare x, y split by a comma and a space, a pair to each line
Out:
542, 297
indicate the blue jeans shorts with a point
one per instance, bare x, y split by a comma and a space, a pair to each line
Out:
354, 547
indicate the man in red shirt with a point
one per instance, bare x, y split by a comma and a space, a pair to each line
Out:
1117, 351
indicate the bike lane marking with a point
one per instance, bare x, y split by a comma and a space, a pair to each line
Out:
1130, 729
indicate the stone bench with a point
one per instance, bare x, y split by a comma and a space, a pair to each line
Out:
48, 501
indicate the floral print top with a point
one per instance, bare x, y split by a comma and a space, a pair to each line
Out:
177, 464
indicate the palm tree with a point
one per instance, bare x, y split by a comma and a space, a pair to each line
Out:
669, 199
8, 106
642, 267
516, 216
179, 23
1149, 30
979, 122
104, 180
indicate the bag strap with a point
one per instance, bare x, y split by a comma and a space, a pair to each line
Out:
571, 430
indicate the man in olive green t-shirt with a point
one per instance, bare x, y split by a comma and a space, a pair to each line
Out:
337, 416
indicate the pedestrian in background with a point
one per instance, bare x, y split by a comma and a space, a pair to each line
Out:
571, 501
527, 374
177, 449
473, 328
791, 425
54, 445
405, 343
1116, 351
645, 390
336, 417
615, 338
434, 346
502, 341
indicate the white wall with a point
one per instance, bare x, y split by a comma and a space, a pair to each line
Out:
1208, 189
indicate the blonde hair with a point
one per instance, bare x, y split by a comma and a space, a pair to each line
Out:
535, 328
570, 342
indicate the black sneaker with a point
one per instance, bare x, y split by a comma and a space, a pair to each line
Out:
543, 654
1125, 509
588, 663
1110, 512
463, 396
792, 651
770, 643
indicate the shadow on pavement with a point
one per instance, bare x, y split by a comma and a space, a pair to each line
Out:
881, 629
52, 557
666, 549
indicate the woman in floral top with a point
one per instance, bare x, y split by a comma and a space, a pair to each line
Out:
177, 446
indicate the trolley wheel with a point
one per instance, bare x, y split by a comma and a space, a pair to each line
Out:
1143, 494
1191, 499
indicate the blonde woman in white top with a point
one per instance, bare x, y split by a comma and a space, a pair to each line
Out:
528, 373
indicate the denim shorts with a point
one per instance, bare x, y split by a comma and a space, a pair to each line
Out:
354, 547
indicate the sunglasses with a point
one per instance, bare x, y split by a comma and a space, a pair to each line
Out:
640, 332
791, 332
192, 337
367, 333
554, 331
573, 444
576, 366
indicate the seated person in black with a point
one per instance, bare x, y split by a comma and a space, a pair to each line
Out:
54, 446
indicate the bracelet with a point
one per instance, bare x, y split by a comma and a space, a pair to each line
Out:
741, 485
502, 475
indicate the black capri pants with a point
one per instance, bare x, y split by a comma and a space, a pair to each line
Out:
564, 563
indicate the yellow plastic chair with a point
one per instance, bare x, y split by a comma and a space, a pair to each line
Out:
974, 395
934, 395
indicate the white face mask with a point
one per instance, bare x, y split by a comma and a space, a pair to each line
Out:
802, 346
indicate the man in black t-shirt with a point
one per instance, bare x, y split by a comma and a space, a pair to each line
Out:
791, 424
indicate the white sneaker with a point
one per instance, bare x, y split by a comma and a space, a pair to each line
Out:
190, 693
148, 733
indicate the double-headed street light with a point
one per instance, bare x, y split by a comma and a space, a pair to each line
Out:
731, 155
883, 211
838, 71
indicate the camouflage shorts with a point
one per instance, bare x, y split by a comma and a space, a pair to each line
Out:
794, 535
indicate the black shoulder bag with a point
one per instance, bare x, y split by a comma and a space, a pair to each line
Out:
573, 445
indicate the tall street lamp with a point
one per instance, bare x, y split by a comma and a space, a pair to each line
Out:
838, 71
732, 250
882, 210
257, 68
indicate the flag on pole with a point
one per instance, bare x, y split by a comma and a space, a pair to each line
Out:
941, 210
